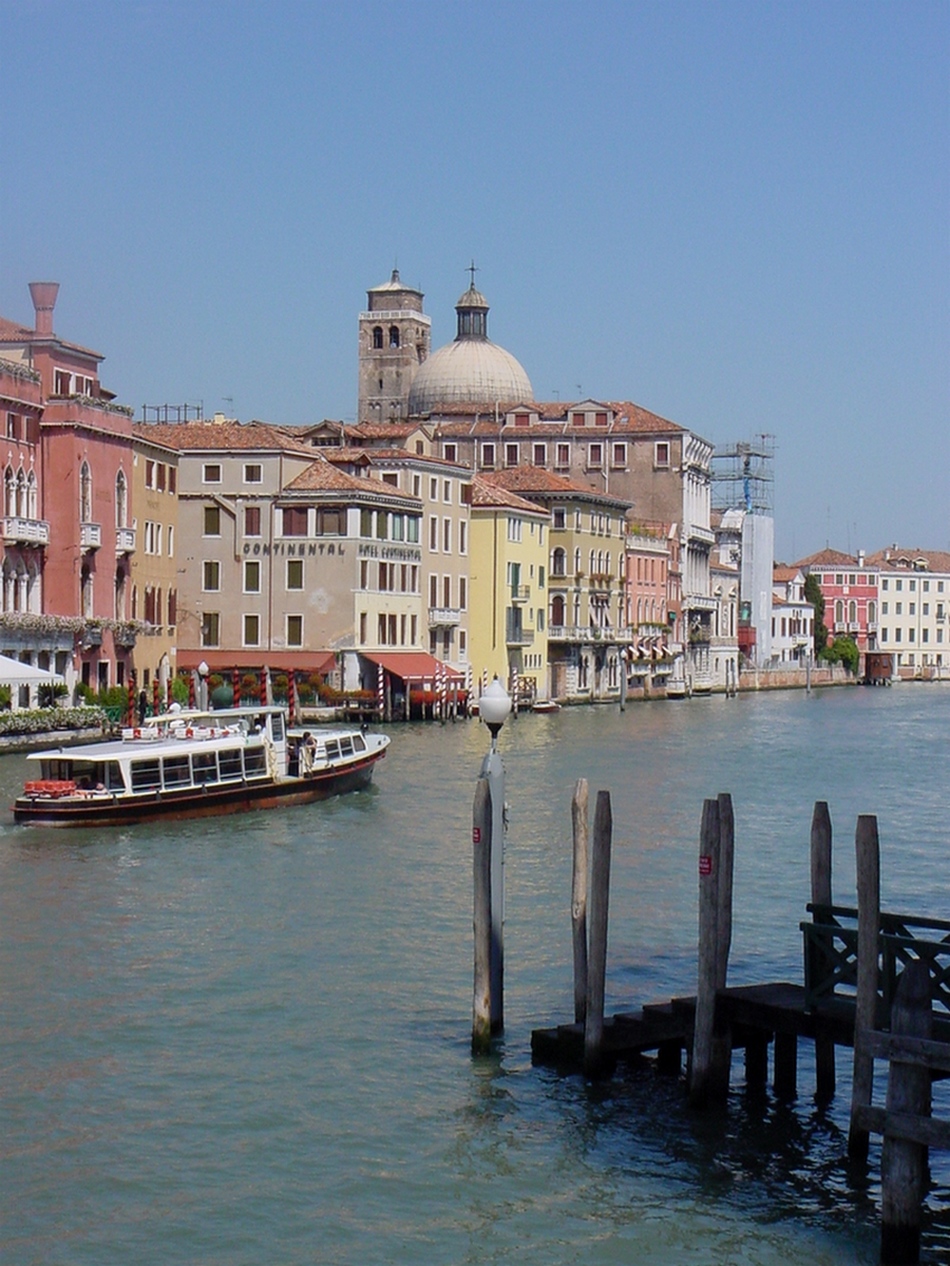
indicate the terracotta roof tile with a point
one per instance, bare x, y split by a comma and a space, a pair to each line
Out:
489, 495
323, 476
828, 558
899, 558
216, 436
536, 481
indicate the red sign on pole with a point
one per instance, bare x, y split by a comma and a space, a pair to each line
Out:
476, 835
705, 864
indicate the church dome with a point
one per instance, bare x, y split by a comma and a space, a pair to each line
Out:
472, 369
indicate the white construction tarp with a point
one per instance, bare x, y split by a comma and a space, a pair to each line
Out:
13, 673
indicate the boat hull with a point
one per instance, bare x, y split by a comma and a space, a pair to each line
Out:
211, 800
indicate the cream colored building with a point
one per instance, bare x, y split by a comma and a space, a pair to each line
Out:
509, 596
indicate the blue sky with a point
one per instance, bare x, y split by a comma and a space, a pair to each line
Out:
734, 214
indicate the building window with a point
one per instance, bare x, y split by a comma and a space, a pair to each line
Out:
210, 576
463, 593
446, 536
172, 480
252, 630
463, 537
433, 534
252, 576
394, 336
212, 521
522, 419
295, 520
391, 478
149, 474
661, 454
578, 419
377, 337
210, 628
488, 456
511, 454
211, 473
252, 520
450, 452
160, 476
600, 419
433, 590
295, 630
253, 473
620, 456
595, 456
559, 517
514, 528
540, 455
563, 457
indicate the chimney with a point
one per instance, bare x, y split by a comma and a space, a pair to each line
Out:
860, 557
43, 294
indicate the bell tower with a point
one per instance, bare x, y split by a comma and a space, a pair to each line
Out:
394, 339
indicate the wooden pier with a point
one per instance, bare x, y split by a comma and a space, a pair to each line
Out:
875, 982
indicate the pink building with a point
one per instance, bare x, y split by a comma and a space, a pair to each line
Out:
849, 586
83, 491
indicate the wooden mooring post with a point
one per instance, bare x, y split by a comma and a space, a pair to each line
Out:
597, 954
712, 1047
481, 851
820, 849
580, 832
868, 856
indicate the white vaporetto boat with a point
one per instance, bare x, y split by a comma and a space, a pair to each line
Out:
197, 764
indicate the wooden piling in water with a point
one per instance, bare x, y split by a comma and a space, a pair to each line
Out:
597, 955
904, 1164
580, 830
481, 850
703, 1076
820, 851
868, 857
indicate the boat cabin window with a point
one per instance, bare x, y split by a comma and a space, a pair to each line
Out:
205, 766
229, 762
346, 746
145, 775
359, 743
277, 727
255, 762
87, 774
333, 749
176, 771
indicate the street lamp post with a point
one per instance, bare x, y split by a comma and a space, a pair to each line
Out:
203, 671
494, 706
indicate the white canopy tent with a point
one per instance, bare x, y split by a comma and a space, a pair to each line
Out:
13, 673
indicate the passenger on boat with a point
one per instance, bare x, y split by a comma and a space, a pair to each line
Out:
308, 750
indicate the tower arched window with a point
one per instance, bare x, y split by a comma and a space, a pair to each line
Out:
121, 500
85, 493
394, 336
377, 336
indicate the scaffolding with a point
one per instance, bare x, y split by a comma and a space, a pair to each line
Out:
172, 412
743, 476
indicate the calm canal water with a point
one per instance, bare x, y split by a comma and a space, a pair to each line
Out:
247, 1041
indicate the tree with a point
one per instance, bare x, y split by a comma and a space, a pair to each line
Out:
814, 595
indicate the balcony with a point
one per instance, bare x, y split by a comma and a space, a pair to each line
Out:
90, 535
518, 636
442, 617
25, 531
584, 633
601, 580
520, 593
125, 540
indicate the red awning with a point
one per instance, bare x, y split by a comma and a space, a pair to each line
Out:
412, 665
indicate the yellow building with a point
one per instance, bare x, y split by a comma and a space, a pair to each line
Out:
155, 560
587, 619
508, 566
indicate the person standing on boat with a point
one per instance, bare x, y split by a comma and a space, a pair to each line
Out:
308, 749
143, 706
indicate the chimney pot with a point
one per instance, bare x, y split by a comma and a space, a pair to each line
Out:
43, 294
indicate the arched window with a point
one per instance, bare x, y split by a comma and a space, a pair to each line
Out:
852, 612
377, 336
394, 336
31, 496
558, 562
9, 492
85, 494
872, 613
119, 612
21, 499
121, 500
135, 602
839, 612
557, 611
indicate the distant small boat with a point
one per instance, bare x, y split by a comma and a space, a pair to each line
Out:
545, 705
197, 764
